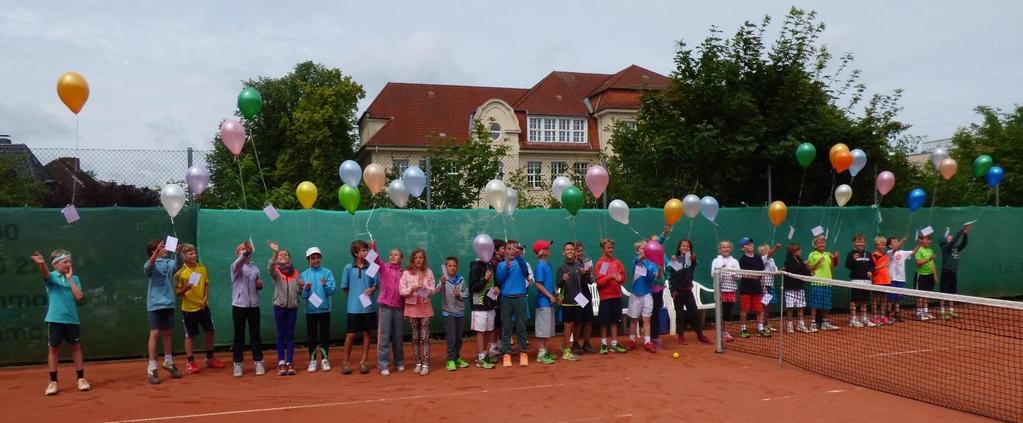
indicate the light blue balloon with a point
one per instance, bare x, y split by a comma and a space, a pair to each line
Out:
709, 207
916, 198
351, 173
414, 180
994, 176
859, 161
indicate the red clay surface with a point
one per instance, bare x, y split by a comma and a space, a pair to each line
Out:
637, 386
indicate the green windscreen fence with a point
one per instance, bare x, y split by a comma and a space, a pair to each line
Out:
108, 250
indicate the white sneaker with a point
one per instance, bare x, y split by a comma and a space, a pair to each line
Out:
425, 371
928, 316
385, 372
419, 368
325, 365
83, 385
869, 324
789, 328
312, 366
802, 328
854, 323
813, 328
51, 389
237, 369
401, 369
828, 326
260, 370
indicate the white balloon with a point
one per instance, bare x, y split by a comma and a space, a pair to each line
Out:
172, 196
691, 205
619, 211
414, 180
496, 194
559, 185
842, 195
513, 202
399, 196
937, 156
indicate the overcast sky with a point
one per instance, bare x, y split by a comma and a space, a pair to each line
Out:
163, 74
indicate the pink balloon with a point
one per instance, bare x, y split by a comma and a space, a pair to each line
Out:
232, 134
654, 252
885, 182
596, 180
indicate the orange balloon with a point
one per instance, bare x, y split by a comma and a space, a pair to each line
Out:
948, 168
835, 149
672, 211
777, 212
73, 91
374, 177
841, 161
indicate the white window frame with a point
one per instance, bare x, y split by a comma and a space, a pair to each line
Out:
558, 129
558, 168
579, 172
399, 165
534, 174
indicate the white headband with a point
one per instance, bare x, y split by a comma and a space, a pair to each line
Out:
59, 258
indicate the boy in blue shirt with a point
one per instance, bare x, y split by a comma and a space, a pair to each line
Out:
63, 291
545, 300
641, 300
361, 319
160, 303
511, 279
319, 285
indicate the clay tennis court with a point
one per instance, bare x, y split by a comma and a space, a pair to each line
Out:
638, 386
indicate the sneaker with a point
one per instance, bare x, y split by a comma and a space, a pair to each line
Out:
603, 350
928, 316
260, 370
312, 366
523, 359
813, 328
682, 340
282, 370
618, 349
191, 368
567, 355
507, 360
854, 323
945, 316
577, 350
51, 389
542, 358
385, 372
83, 385
727, 337
450, 365
789, 328
765, 332
494, 352
828, 326
704, 340
346, 369
461, 363
173, 369
869, 323
425, 371
363, 368
771, 328
419, 368
237, 370
953, 314
631, 345
483, 363
401, 369
649, 347
154, 378
213, 363
744, 333
802, 328
588, 349
290, 368
325, 365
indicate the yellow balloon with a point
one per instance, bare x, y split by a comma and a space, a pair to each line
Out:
73, 91
374, 177
835, 149
777, 212
306, 193
672, 211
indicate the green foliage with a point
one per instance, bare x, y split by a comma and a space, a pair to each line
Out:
460, 171
306, 128
1000, 136
736, 105
19, 189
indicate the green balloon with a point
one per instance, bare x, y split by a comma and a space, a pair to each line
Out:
572, 199
805, 154
349, 198
981, 165
250, 102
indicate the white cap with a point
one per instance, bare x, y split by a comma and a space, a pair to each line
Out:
311, 251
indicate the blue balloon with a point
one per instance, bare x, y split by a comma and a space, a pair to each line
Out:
916, 199
994, 176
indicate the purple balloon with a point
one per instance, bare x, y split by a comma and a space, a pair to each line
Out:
198, 179
483, 246
654, 252
232, 134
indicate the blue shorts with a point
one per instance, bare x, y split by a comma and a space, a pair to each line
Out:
820, 297
896, 297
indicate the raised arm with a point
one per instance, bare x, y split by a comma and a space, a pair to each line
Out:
44, 271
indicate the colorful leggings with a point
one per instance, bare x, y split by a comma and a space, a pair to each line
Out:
421, 339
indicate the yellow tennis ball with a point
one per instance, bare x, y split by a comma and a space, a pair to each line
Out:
674, 355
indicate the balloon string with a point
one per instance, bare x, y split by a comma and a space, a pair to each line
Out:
827, 204
934, 198
908, 224
505, 224
690, 234
633, 230
74, 177
717, 239
773, 232
367, 222
309, 227
252, 140
838, 224
799, 199
245, 201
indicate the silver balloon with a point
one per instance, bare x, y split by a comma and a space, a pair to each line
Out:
415, 181
172, 196
351, 173
619, 211
709, 207
559, 185
937, 156
399, 196
198, 178
513, 202
859, 161
496, 194
483, 246
691, 205
843, 194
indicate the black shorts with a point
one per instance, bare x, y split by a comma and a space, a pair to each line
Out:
610, 311
949, 282
194, 319
361, 322
859, 295
63, 332
925, 282
161, 319
572, 313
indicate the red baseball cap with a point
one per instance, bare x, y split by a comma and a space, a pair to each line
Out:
541, 244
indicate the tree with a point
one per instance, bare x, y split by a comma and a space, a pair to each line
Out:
306, 128
1000, 136
460, 170
737, 107
19, 189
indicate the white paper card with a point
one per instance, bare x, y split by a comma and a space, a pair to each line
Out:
315, 300
581, 300
817, 231
372, 270
194, 278
826, 233
970, 222
271, 212
70, 214
675, 265
492, 294
365, 300
792, 232
638, 272
171, 244
423, 292
603, 268
588, 265
767, 299
947, 231
927, 231
371, 256
879, 218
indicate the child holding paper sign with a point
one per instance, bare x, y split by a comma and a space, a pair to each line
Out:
287, 287
950, 249
681, 269
584, 330
317, 292
820, 262
511, 278
392, 305
545, 300
861, 268
63, 292
417, 285
359, 284
484, 299
924, 257
160, 302
191, 283
751, 291
245, 287
569, 281
641, 302
610, 276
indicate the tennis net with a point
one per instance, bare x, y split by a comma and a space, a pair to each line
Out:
955, 351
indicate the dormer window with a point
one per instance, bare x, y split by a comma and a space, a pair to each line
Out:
552, 129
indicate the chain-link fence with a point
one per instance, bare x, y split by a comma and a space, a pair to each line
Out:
141, 168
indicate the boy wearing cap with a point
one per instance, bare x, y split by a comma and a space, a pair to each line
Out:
545, 300
511, 277
318, 288
751, 291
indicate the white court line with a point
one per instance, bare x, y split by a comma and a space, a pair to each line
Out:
334, 404
925, 350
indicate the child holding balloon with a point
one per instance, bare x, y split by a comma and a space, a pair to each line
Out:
641, 302
390, 322
287, 287
820, 262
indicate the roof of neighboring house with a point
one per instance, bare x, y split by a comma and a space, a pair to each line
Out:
21, 153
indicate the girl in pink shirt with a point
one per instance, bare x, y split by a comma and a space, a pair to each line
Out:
389, 320
417, 285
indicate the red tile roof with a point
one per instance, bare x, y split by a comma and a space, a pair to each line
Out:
560, 94
633, 78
